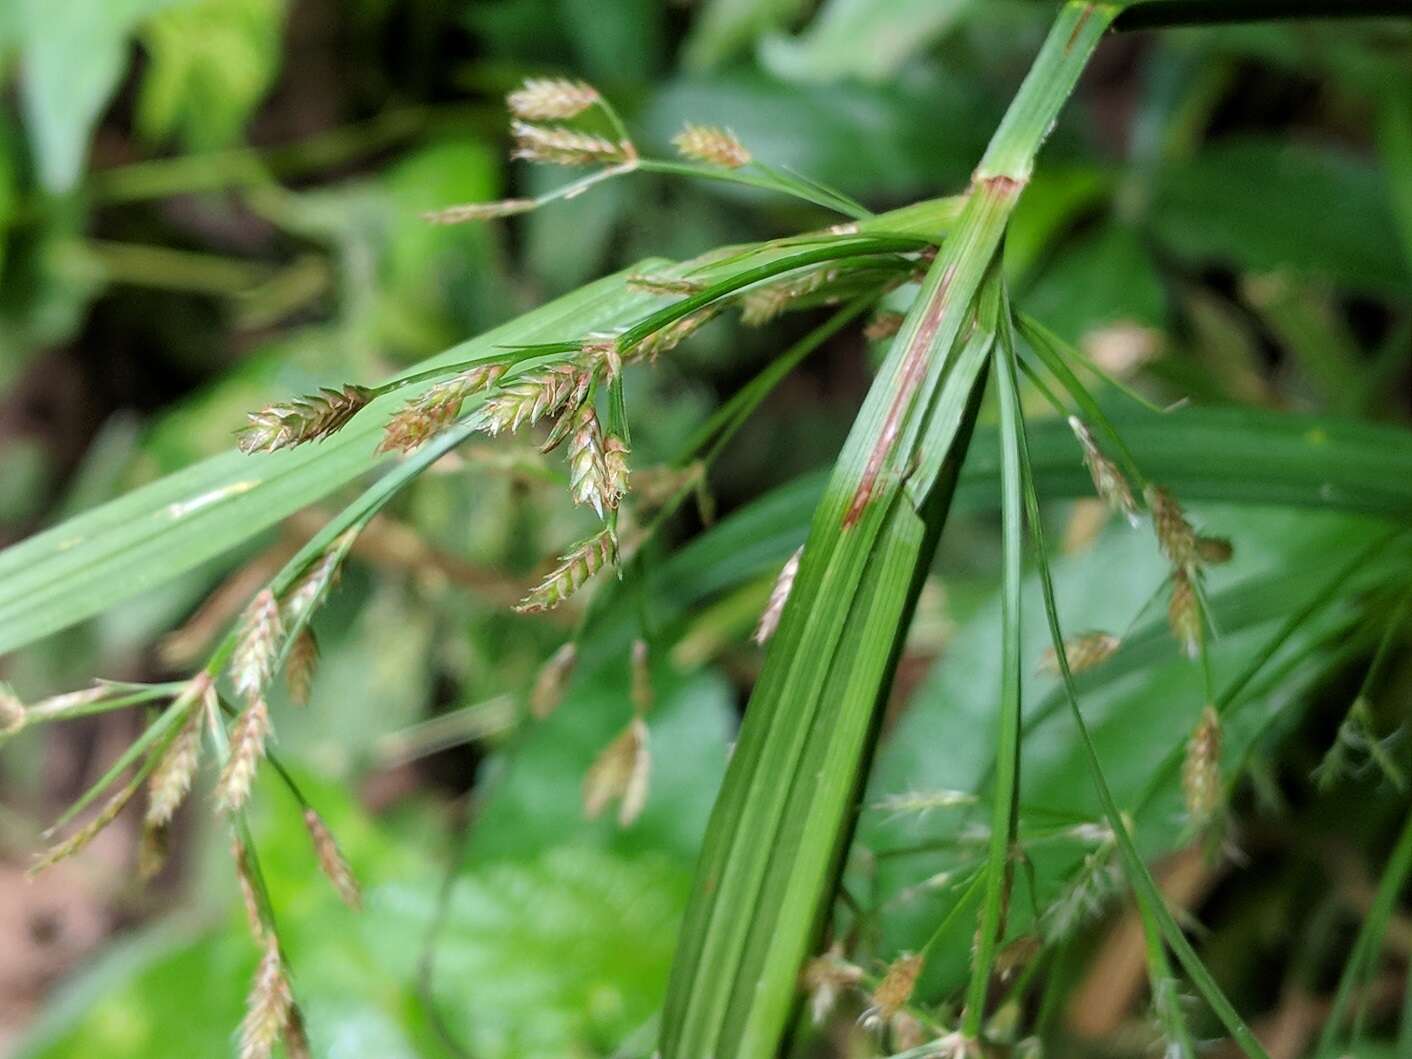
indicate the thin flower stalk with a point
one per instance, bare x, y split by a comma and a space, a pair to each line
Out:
309, 418
551, 99
712, 145
332, 861
575, 568
247, 747
779, 596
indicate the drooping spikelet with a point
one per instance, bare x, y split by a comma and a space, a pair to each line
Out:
479, 211
763, 304
267, 1007
171, 779
665, 284
1213, 551
86, 834
893, 991
1184, 614
923, 802
553, 677
296, 1039
621, 771
1084, 651
152, 851
428, 414
317, 580
674, 334
257, 644
575, 567
1108, 481
299, 666
1174, 533
825, 979
249, 900
711, 144
551, 99
12, 711
248, 737
641, 678
884, 324
555, 145
779, 596
56, 707
588, 473
1201, 771
615, 466
331, 860
528, 398
307, 418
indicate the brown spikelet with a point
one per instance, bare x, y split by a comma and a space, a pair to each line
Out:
894, 990
588, 473
575, 567
665, 284
825, 978
257, 644
1175, 536
86, 834
12, 711
431, 412
1201, 771
641, 678
55, 707
152, 851
296, 1038
674, 334
316, 581
308, 418
249, 901
1214, 551
779, 596
554, 145
763, 304
479, 211
553, 677
1108, 481
528, 398
331, 860
711, 144
615, 464
884, 324
267, 1008
621, 771
1184, 614
299, 666
551, 99
1084, 651
171, 779
248, 737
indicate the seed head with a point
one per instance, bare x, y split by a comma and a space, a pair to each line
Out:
1201, 771
665, 284
779, 596
674, 334
316, 581
1083, 651
579, 564
267, 1008
827, 977
479, 211
923, 802
86, 834
588, 473
331, 860
641, 678
553, 677
299, 666
1108, 482
152, 851
1213, 551
248, 737
620, 771
1184, 614
893, 991
250, 903
528, 398
555, 145
551, 99
257, 644
308, 418
12, 712
615, 464
433, 411
884, 324
1174, 533
711, 144
171, 779
763, 304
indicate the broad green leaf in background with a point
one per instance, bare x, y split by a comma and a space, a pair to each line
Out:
1105, 276
865, 39
726, 27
